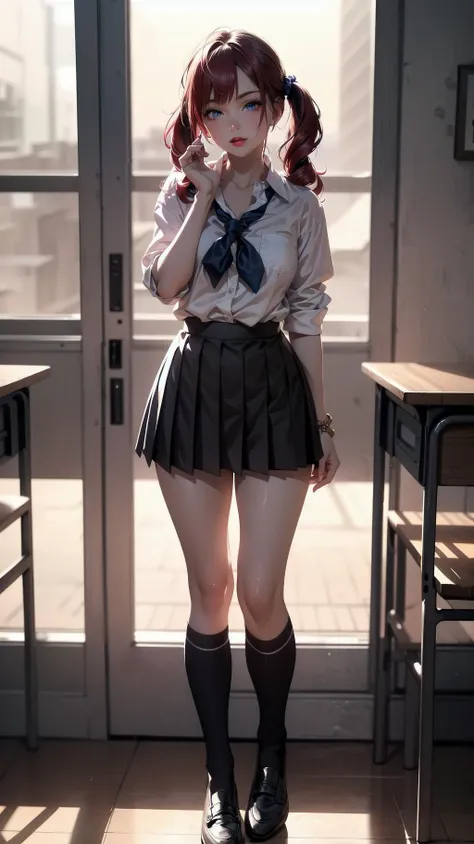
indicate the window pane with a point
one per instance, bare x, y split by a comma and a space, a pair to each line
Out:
328, 577
142, 230
39, 254
348, 218
38, 119
324, 599
58, 554
57, 498
328, 45
331, 54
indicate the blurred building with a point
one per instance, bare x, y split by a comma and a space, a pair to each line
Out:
356, 85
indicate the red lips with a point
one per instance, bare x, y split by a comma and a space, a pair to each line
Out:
237, 140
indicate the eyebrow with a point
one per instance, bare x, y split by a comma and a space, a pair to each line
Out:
240, 96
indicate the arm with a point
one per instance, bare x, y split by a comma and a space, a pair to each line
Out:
169, 260
307, 297
309, 349
174, 267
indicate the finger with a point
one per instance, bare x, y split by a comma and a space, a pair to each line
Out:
193, 158
319, 484
330, 475
193, 149
327, 477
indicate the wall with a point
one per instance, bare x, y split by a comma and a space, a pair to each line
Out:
435, 291
435, 255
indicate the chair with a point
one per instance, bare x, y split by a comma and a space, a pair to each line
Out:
14, 439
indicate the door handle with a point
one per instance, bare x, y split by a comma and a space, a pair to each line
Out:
116, 401
116, 281
115, 354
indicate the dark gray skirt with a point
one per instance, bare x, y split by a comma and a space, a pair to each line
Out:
230, 396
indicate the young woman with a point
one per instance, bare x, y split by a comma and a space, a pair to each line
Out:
240, 249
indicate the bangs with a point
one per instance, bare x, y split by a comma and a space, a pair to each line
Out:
215, 75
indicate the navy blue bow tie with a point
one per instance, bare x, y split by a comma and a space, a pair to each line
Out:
218, 258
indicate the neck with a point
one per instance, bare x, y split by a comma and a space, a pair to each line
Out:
247, 170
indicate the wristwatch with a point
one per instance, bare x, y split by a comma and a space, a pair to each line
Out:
325, 427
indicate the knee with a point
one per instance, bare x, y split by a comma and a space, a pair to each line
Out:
258, 602
212, 591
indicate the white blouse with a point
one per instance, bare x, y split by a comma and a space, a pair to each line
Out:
292, 241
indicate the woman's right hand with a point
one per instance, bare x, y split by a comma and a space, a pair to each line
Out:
204, 177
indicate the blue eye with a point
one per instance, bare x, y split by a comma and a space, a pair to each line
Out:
211, 112
252, 106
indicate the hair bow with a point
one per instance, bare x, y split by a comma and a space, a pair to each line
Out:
288, 82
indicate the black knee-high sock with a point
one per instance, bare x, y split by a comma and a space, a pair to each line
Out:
209, 668
271, 664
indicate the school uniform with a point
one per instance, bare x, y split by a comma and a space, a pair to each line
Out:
231, 392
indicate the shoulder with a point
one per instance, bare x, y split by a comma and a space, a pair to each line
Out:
170, 183
168, 200
309, 208
302, 194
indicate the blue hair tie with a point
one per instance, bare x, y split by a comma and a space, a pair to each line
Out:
288, 82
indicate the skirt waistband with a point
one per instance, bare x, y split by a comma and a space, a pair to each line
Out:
232, 330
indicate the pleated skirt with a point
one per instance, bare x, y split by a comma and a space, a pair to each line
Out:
230, 396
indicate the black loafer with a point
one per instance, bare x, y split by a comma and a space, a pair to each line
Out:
268, 806
221, 821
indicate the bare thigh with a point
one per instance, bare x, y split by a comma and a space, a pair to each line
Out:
199, 507
269, 509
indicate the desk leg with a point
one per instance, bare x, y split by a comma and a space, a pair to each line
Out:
428, 644
383, 680
31, 674
377, 536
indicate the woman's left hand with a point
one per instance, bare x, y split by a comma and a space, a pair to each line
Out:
327, 467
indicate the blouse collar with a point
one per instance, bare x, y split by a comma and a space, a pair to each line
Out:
276, 180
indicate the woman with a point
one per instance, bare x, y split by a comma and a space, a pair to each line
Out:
240, 249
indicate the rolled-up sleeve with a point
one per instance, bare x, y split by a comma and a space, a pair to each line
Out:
169, 215
307, 298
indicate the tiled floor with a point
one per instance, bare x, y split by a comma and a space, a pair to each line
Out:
128, 792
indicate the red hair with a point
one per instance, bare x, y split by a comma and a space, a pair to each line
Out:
213, 68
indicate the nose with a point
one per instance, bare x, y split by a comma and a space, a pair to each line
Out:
233, 126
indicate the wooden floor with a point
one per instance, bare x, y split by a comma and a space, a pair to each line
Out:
151, 792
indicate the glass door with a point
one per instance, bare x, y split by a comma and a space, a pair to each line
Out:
145, 46
51, 314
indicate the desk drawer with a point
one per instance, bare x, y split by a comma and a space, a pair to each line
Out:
408, 442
